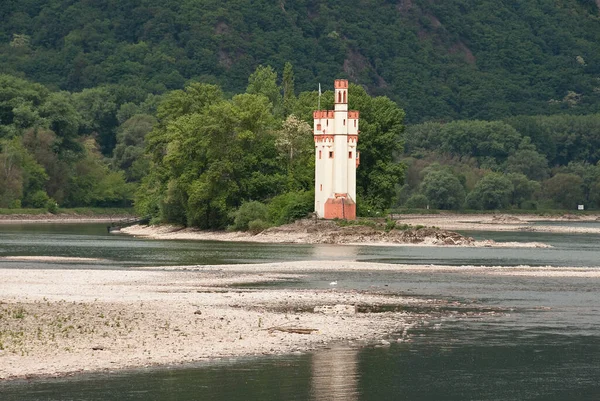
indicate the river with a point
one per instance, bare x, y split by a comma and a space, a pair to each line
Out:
546, 346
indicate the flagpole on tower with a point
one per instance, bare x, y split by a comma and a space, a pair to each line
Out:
319, 106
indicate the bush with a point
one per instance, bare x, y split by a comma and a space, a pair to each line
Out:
417, 201
257, 226
291, 206
39, 199
249, 212
52, 206
493, 191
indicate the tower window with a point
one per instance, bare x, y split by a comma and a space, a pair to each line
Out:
321, 187
354, 123
319, 154
349, 155
344, 121
331, 155
344, 96
318, 127
339, 97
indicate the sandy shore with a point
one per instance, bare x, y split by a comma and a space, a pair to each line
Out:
502, 222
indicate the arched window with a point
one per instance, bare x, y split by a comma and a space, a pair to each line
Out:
344, 121
339, 97
344, 96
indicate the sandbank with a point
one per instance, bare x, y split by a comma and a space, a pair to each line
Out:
63, 322
59, 322
298, 234
502, 222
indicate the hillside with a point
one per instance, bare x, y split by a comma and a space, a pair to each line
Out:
440, 60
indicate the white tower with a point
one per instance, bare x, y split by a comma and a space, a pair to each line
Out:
336, 158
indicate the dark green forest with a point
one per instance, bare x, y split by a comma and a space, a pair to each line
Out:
199, 112
439, 60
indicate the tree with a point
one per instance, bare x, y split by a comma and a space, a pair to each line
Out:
294, 142
129, 152
523, 188
263, 81
493, 191
526, 160
381, 124
208, 162
443, 190
98, 110
564, 190
289, 96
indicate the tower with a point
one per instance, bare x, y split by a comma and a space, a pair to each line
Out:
336, 158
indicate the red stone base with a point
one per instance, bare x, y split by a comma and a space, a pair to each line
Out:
340, 207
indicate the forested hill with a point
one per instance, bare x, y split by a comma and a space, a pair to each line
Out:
440, 60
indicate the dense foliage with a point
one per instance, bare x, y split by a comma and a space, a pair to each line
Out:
440, 60
175, 105
522, 162
215, 159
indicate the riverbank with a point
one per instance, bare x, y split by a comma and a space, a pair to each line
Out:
504, 222
59, 322
327, 232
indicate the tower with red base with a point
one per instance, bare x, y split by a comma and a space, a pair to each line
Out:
336, 157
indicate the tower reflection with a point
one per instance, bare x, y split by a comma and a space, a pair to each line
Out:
335, 375
335, 252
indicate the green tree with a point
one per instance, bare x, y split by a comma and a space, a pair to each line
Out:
263, 81
295, 145
129, 154
564, 190
526, 160
381, 124
443, 190
289, 95
523, 188
493, 191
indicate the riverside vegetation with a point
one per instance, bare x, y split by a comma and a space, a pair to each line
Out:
136, 104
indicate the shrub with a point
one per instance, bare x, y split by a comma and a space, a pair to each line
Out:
52, 206
417, 201
257, 226
249, 212
290, 206
39, 199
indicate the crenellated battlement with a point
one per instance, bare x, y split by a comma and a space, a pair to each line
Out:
340, 84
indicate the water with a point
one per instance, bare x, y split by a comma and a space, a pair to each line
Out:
545, 347
122, 251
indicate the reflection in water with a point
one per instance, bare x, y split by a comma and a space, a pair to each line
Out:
334, 252
335, 374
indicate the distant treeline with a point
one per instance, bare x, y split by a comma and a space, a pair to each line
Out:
521, 162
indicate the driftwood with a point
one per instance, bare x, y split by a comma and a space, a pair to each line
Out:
294, 330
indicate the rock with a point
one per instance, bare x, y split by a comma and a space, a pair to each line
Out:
198, 312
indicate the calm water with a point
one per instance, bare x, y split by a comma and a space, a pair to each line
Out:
546, 347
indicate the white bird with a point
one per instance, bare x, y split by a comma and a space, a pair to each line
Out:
333, 283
